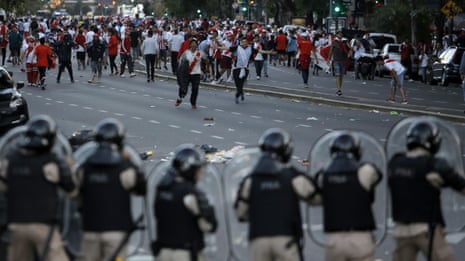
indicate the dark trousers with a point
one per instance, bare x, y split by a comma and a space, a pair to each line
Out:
42, 74
258, 67
113, 67
174, 62
150, 66
239, 82
305, 73
194, 79
3, 56
126, 58
62, 67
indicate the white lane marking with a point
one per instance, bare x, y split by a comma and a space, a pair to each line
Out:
73, 105
217, 137
104, 111
303, 125
87, 108
255, 117
122, 90
154, 121
160, 98
174, 126
118, 114
236, 113
240, 143
112, 88
59, 102
48, 103
220, 110
146, 95
153, 106
202, 106
278, 121
48, 99
136, 118
196, 131
133, 92
39, 96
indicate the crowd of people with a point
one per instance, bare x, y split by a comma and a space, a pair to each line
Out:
105, 171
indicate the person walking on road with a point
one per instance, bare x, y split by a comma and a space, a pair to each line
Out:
149, 51
43, 53
338, 54
96, 49
306, 49
64, 49
397, 72
193, 58
241, 71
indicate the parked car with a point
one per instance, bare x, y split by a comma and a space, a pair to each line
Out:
446, 69
14, 109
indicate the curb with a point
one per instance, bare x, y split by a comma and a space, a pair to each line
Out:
318, 99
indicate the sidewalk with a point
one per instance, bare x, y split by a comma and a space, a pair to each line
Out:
445, 102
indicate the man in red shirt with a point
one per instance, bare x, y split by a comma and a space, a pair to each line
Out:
43, 54
305, 48
281, 47
3, 40
125, 55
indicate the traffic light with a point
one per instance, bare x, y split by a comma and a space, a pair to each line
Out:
198, 11
244, 9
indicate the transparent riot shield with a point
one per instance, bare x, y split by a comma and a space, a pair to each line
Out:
234, 172
371, 152
450, 150
216, 245
89, 148
70, 226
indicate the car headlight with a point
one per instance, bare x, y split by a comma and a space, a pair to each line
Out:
16, 103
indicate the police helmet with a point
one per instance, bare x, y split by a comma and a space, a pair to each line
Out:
424, 134
187, 161
277, 141
6, 81
110, 130
346, 144
40, 133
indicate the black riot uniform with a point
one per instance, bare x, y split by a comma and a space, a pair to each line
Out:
268, 199
182, 211
32, 174
107, 177
415, 179
347, 190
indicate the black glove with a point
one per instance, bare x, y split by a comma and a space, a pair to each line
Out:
206, 210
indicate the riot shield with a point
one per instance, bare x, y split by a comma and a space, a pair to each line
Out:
371, 152
70, 228
89, 148
234, 172
450, 150
216, 245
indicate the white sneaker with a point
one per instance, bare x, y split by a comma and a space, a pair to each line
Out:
258, 77
122, 76
410, 80
132, 75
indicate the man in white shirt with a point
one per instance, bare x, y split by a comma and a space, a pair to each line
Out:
397, 72
174, 44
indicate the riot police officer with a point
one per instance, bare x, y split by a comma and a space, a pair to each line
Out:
268, 199
32, 174
415, 179
347, 191
108, 172
182, 211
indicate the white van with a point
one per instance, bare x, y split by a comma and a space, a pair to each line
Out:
379, 40
2, 14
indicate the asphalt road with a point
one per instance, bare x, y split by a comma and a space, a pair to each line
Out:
148, 111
